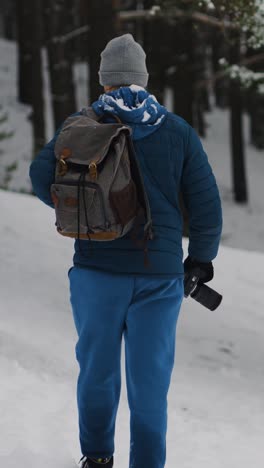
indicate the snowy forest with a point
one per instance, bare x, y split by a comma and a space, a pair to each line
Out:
201, 55
205, 59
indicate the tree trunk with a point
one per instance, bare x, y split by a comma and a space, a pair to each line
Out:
156, 47
200, 66
58, 24
256, 109
184, 76
24, 29
83, 41
257, 120
38, 118
30, 66
128, 26
219, 50
236, 122
8, 19
102, 21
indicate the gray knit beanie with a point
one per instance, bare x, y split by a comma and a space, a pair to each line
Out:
123, 62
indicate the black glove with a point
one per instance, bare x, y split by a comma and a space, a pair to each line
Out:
204, 270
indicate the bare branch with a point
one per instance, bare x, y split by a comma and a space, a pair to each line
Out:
67, 37
176, 13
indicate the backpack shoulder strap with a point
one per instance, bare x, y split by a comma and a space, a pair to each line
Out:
89, 112
137, 175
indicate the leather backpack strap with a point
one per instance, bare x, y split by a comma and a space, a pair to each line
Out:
89, 112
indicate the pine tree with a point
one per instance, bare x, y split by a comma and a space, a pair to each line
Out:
103, 27
201, 101
236, 128
30, 79
24, 34
183, 77
157, 50
58, 21
256, 106
4, 134
219, 51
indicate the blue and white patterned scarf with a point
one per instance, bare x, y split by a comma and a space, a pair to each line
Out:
134, 106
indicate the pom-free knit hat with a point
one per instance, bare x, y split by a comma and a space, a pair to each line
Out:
123, 62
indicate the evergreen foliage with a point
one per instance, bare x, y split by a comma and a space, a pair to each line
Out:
4, 134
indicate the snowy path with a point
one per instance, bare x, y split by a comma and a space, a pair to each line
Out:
216, 406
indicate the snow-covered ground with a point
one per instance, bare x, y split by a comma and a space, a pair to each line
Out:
216, 405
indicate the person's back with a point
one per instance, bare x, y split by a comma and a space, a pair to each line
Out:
112, 292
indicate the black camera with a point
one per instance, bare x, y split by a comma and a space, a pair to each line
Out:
200, 292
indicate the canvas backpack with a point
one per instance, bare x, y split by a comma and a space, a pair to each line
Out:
98, 192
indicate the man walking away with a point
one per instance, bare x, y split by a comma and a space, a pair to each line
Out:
113, 295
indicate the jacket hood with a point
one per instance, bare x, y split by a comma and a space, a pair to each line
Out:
134, 106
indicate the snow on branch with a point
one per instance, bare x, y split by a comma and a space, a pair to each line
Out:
241, 15
248, 78
246, 16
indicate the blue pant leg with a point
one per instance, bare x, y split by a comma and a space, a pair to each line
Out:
150, 348
99, 302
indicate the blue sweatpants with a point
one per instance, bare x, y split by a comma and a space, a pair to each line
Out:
145, 311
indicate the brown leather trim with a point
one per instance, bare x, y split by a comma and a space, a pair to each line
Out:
104, 236
66, 153
124, 203
54, 198
71, 202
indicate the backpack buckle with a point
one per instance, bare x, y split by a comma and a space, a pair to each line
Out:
62, 168
93, 170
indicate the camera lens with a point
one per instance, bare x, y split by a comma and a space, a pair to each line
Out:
207, 297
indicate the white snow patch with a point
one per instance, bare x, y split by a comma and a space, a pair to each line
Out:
168, 99
81, 79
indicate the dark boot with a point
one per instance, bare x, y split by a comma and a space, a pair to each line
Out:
96, 462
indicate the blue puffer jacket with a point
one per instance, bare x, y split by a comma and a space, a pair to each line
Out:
172, 159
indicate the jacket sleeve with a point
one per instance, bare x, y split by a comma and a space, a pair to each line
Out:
202, 200
42, 172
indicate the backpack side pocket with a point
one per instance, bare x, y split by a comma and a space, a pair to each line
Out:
124, 203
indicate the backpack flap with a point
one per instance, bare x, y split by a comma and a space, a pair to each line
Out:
85, 141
